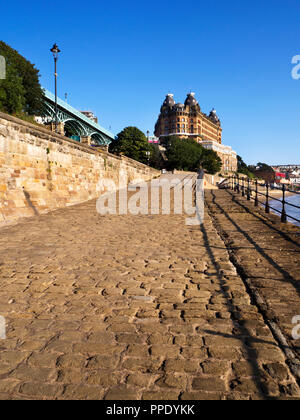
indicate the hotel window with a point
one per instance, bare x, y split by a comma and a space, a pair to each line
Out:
183, 120
183, 128
192, 129
178, 128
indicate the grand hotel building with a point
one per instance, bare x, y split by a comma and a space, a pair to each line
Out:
187, 120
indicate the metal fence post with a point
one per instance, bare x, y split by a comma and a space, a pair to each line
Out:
283, 213
238, 184
267, 199
248, 191
243, 187
256, 193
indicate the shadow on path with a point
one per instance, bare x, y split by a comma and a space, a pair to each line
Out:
29, 202
245, 335
286, 275
261, 219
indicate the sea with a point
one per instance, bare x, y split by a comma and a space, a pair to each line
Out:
292, 211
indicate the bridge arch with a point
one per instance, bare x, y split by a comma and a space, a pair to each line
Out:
76, 124
73, 128
98, 139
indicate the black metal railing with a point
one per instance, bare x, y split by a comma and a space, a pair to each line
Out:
250, 188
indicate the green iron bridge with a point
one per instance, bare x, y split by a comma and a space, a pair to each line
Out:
75, 124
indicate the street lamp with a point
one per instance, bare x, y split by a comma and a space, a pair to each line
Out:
148, 156
55, 50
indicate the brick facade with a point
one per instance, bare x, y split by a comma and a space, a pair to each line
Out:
187, 120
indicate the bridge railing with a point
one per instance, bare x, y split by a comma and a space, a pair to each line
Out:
251, 189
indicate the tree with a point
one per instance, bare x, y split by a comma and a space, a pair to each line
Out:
264, 167
264, 171
211, 162
182, 154
132, 143
188, 155
11, 92
156, 160
20, 72
243, 168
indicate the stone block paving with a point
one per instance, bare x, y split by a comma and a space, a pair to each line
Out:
267, 254
130, 307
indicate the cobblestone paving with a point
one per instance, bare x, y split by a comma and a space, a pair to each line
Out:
268, 252
130, 307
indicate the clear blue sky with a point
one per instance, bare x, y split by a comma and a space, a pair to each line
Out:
120, 59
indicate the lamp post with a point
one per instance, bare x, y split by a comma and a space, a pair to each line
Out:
55, 51
148, 135
148, 156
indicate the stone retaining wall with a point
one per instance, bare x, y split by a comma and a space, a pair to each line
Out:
41, 171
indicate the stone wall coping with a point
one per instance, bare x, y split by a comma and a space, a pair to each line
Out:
58, 138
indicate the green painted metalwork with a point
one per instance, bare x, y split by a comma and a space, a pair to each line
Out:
79, 124
76, 138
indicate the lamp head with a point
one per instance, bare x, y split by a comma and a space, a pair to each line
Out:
55, 50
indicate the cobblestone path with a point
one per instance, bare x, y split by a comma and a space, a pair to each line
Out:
267, 254
130, 307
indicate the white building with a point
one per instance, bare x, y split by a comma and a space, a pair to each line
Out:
228, 156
